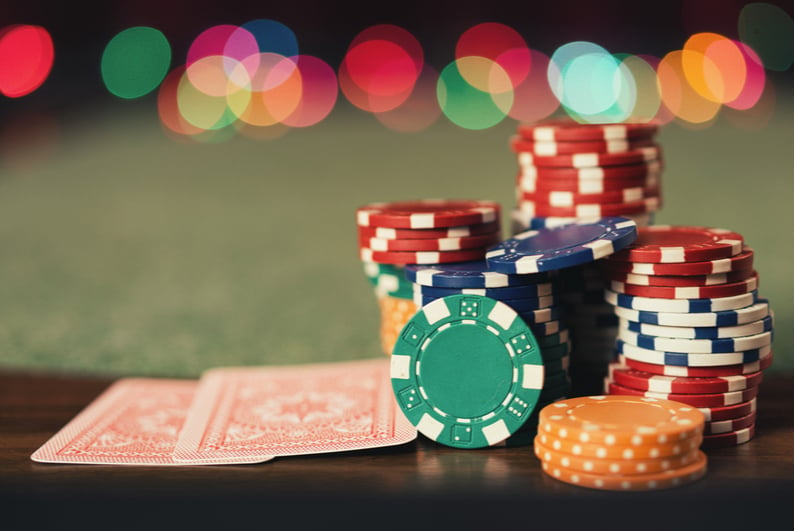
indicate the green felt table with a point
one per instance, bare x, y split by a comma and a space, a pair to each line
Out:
125, 252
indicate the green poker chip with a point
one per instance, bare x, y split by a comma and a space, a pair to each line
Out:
388, 280
467, 371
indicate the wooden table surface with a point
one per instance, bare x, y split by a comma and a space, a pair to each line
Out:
414, 486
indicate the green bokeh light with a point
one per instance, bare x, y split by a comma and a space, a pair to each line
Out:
466, 106
768, 30
135, 62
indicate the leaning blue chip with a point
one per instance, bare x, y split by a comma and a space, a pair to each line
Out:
467, 275
542, 250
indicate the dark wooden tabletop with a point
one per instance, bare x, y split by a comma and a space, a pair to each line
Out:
414, 486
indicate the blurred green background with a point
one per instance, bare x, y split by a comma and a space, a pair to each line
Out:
125, 252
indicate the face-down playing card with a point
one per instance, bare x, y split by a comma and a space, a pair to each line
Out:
252, 412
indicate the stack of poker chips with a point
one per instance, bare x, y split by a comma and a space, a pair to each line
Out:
571, 172
621, 442
394, 234
691, 325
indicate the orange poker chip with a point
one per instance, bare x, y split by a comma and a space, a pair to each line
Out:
621, 420
605, 451
395, 313
612, 467
660, 480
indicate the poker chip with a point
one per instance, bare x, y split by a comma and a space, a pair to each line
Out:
557, 198
621, 421
742, 261
685, 306
548, 328
727, 426
553, 147
427, 213
608, 173
612, 467
687, 359
569, 130
718, 414
702, 346
516, 292
559, 338
675, 244
645, 381
467, 371
703, 332
528, 304
747, 314
687, 292
603, 450
695, 400
474, 274
762, 363
586, 210
420, 257
388, 280
555, 351
428, 244
395, 313
463, 231
681, 280
530, 183
591, 160
725, 440
522, 223
549, 249
641, 482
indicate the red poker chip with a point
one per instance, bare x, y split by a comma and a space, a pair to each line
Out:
462, 231
421, 257
699, 372
440, 244
739, 262
551, 130
687, 292
553, 148
559, 198
726, 440
736, 411
644, 169
591, 186
646, 381
719, 427
532, 209
591, 160
681, 280
676, 244
427, 214
692, 399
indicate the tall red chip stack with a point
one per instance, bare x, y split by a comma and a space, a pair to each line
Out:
691, 325
573, 172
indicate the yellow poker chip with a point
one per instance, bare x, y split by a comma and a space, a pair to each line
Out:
616, 420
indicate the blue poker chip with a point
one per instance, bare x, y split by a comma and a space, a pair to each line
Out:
542, 250
687, 359
541, 289
700, 332
518, 305
703, 346
686, 306
741, 316
467, 275
542, 315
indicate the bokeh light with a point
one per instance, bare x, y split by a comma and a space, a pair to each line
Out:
754, 80
467, 106
26, 59
764, 27
420, 110
679, 96
499, 43
533, 98
135, 61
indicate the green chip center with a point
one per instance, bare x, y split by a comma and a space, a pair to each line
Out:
466, 371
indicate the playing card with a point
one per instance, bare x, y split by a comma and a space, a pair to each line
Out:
136, 421
247, 412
